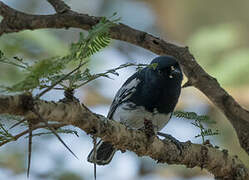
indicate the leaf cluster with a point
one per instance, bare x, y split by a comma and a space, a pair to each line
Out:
198, 122
193, 115
5, 135
43, 73
97, 39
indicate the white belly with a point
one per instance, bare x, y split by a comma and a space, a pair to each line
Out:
134, 117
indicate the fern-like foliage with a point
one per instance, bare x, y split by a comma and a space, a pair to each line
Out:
5, 135
193, 115
45, 72
198, 122
98, 38
15, 61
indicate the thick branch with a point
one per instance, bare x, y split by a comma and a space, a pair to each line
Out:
219, 163
59, 6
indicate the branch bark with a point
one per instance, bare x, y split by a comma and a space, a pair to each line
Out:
219, 163
59, 6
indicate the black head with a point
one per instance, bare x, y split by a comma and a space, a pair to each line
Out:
167, 67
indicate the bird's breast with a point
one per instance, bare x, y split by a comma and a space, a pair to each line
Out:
134, 116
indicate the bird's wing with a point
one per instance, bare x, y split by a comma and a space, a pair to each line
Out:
124, 93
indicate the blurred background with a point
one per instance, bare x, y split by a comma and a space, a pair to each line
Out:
216, 33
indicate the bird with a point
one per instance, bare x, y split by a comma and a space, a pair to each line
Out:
149, 94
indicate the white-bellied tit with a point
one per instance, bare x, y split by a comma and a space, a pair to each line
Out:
151, 94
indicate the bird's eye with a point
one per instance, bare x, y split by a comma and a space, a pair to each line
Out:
160, 72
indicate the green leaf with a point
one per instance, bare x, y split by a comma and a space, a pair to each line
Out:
198, 120
193, 115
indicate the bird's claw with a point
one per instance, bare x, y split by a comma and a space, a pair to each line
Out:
178, 144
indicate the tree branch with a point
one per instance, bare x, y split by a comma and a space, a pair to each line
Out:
217, 162
59, 6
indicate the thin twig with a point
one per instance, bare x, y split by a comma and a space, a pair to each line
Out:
110, 71
16, 124
15, 64
60, 80
16, 137
54, 132
95, 156
29, 148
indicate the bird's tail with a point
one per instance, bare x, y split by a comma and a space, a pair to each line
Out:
104, 153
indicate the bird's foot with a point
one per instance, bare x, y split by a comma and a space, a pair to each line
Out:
178, 144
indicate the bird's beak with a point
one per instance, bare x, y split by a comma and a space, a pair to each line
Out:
174, 73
